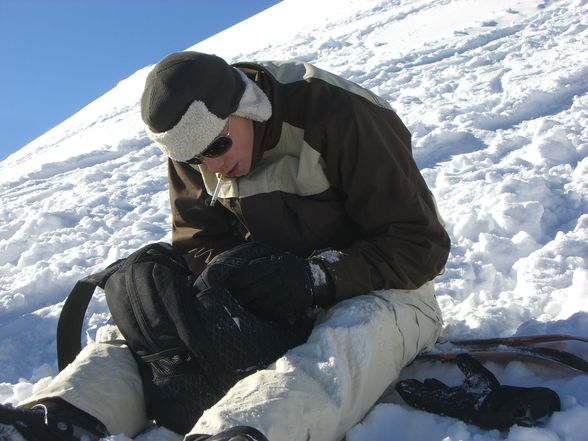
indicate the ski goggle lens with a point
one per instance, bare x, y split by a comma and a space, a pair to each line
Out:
217, 148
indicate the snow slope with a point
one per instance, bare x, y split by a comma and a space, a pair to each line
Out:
495, 94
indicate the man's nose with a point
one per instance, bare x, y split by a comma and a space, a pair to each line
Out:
214, 165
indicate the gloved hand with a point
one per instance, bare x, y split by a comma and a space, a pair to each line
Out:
480, 400
281, 286
222, 266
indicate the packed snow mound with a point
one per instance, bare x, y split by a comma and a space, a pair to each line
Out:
495, 95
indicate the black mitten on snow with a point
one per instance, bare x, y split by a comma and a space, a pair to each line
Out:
481, 399
281, 286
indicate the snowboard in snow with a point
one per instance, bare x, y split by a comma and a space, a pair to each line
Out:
506, 349
517, 341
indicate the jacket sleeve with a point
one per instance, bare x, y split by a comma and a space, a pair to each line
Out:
403, 243
199, 230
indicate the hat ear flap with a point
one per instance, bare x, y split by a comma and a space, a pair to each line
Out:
254, 103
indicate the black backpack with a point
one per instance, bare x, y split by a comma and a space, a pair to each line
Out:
191, 345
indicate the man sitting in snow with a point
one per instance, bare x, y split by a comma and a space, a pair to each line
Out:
320, 171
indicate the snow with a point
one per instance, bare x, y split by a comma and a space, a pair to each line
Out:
495, 94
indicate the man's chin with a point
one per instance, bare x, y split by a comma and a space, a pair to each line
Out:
238, 171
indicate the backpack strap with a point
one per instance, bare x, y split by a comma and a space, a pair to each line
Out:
71, 319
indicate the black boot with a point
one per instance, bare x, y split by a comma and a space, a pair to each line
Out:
52, 419
237, 433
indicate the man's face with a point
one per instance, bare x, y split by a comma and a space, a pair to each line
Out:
236, 161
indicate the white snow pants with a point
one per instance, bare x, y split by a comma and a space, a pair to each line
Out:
316, 391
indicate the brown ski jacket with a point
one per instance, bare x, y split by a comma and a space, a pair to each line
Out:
333, 177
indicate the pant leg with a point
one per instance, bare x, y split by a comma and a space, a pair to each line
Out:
103, 381
321, 389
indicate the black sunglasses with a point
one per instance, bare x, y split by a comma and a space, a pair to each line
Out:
219, 146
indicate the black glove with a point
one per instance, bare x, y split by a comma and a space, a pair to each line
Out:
481, 400
225, 264
280, 287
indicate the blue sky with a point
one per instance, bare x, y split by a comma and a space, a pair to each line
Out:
57, 56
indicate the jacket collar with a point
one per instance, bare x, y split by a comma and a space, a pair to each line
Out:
266, 134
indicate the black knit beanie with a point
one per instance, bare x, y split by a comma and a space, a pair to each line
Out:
188, 98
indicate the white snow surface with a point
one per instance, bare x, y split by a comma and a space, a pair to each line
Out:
495, 94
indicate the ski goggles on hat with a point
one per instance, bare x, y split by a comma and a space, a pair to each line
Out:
218, 147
